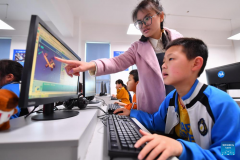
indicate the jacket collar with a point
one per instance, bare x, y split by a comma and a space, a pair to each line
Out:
192, 93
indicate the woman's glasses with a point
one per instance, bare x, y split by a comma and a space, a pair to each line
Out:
147, 21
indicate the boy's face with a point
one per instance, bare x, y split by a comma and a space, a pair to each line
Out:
176, 68
131, 84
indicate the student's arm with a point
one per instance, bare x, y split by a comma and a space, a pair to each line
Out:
153, 122
128, 106
225, 128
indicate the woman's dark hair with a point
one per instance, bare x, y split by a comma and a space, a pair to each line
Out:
11, 67
119, 81
193, 48
134, 73
157, 7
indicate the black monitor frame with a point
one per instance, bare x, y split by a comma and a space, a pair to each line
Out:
230, 80
88, 97
24, 101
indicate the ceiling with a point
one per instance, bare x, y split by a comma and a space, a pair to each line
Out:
189, 14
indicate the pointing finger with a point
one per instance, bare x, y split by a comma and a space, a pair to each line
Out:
71, 62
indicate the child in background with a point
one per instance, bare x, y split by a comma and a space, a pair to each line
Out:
10, 77
122, 92
201, 116
132, 86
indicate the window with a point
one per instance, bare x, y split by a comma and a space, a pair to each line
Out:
5, 45
98, 51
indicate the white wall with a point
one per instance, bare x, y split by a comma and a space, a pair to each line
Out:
236, 44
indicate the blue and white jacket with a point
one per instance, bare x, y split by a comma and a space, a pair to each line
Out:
214, 118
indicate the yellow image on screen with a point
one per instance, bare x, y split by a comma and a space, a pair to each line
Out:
48, 77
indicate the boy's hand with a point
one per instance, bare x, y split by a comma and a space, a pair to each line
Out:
74, 67
126, 112
157, 144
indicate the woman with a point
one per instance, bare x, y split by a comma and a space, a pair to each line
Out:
148, 16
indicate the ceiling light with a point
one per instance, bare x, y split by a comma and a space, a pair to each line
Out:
4, 25
132, 30
235, 37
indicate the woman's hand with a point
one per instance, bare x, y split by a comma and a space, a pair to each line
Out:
126, 112
157, 145
74, 67
113, 95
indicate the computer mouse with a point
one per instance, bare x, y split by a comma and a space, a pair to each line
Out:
118, 112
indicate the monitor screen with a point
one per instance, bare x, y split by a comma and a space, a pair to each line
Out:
89, 85
44, 80
224, 77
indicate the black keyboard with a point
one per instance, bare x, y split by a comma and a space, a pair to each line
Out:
122, 134
113, 98
112, 107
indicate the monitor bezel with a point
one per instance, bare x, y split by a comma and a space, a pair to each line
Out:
24, 101
84, 88
226, 80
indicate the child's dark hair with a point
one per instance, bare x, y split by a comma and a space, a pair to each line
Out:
157, 7
119, 81
134, 73
11, 67
192, 48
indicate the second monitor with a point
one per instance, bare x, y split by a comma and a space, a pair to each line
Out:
89, 87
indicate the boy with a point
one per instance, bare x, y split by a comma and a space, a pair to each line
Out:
201, 116
132, 86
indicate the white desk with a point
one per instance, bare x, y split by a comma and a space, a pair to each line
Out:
65, 139
98, 146
76, 138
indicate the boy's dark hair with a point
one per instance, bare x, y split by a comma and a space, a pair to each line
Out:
134, 73
157, 7
11, 67
193, 48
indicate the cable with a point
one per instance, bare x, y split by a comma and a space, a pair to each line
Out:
31, 111
91, 107
104, 103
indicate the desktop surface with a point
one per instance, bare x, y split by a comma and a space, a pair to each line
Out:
63, 139
81, 137
98, 146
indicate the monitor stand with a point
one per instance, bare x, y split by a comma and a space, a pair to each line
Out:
91, 101
94, 102
50, 114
